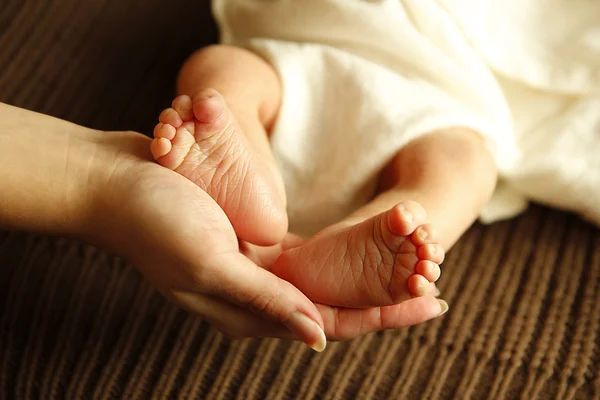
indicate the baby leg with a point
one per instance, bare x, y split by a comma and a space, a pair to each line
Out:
388, 251
214, 135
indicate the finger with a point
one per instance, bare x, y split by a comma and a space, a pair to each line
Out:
264, 257
347, 323
290, 241
234, 321
237, 322
233, 277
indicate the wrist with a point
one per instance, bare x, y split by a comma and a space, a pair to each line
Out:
43, 162
104, 214
60, 178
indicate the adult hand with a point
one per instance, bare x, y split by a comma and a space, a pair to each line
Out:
183, 243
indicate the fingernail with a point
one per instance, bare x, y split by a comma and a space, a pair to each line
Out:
301, 322
436, 292
444, 307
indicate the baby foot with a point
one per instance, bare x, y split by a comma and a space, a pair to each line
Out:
384, 260
200, 139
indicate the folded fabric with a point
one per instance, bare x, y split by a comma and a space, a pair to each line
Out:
361, 78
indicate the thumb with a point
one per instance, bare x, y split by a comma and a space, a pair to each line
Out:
236, 279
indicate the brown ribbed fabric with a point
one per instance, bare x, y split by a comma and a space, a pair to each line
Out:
77, 323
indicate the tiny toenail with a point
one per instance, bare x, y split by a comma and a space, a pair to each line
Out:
206, 95
423, 234
405, 213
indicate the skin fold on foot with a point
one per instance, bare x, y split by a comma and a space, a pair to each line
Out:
384, 260
199, 138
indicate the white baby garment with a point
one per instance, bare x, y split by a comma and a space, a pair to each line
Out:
361, 78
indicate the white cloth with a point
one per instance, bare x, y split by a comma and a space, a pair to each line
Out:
361, 78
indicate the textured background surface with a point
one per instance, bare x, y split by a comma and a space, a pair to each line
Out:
524, 294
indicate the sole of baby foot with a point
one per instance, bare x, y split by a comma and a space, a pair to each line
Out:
384, 260
200, 139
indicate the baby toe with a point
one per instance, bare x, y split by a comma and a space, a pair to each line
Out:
424, 234
204, 94
405, 217
432, 252
209, 107
416, 210
171, 117
183, 106
418, 285
160, 147
165, 131
189, 126
430, 270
